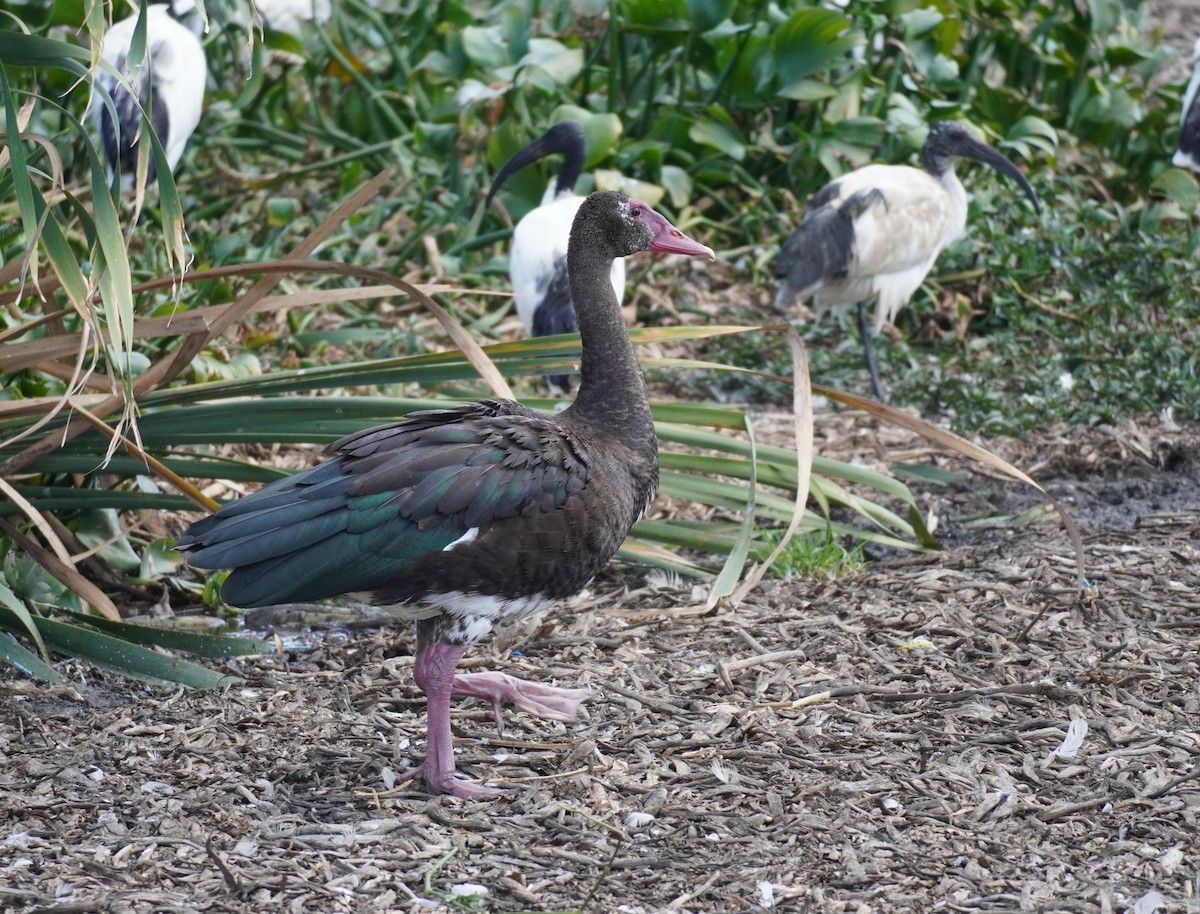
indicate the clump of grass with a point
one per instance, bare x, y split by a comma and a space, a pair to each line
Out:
816, 556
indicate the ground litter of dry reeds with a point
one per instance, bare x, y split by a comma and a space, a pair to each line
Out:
948, 732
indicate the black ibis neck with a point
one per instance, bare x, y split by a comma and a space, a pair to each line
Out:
574, 149
936, 161
612, 393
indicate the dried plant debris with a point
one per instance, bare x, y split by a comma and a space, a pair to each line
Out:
958, 732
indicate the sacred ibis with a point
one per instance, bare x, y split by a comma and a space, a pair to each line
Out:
169, 84
1188, 153
875, 232
538, 260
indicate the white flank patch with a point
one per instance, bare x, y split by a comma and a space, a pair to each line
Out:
469, 537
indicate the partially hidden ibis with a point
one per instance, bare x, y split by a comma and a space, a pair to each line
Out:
169, 85
459, 518
874, 234
1188, 153
538, 256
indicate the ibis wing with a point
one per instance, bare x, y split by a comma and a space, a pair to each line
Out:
389, 496
914, 220
824, 245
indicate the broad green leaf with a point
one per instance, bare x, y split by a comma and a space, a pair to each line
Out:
102, 532
485, 46
719, 136
678, 184
810, 41
919, 21
705, 15
1179, 186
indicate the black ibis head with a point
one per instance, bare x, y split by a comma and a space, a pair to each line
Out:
948, 140
566, 137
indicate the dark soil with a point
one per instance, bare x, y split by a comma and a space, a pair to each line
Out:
897, 740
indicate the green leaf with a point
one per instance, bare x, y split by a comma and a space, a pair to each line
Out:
705, 15
485, 46
102, 532
15, 605
129, 659
1179, 186
810, 41
721, 137
678, 184
212, 646
26, 661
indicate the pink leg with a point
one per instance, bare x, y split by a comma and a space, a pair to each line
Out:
534, 697
434, 673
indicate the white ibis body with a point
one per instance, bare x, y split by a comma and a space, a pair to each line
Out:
169, 86
291, 16
458, 518
1188, 153
874, 233
537, 262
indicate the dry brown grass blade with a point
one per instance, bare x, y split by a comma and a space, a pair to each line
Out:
802, 416
38, 520
471, 349
953, 442
76, 377
24, 113
63, 572
36, 353
165, 369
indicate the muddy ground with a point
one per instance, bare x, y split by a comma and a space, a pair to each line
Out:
948, 732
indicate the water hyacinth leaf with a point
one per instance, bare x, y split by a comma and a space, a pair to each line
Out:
610, 179
678, 184
705, 15
810, 41
808, 90
485, 46
589, 8
1030, 133
722, 137
159, 559
602, 131
919, 21
1179, 186
656, 15
552, 57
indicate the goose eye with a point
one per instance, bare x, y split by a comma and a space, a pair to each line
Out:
635, 210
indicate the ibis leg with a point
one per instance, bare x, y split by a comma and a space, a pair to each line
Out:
434, 673
864, 333
542, 700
